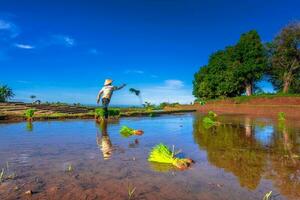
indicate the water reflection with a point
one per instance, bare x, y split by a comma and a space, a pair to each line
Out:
251, 151
29, 126
103, 140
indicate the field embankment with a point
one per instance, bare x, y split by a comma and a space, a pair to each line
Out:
14, 111
264, 106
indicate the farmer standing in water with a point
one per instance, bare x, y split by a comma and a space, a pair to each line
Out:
106, 93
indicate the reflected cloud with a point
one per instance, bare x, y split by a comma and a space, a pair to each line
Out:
264, 134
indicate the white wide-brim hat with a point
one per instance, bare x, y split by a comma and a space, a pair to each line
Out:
108, 81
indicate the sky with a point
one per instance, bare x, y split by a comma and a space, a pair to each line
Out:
64, 50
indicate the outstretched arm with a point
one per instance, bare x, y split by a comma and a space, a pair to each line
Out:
99, 96
120, 87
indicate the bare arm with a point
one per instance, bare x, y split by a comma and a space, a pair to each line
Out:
99, 96
120, 87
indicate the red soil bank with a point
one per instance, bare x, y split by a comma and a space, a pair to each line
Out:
256, 106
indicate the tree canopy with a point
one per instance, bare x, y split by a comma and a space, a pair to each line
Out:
284, 56
229, 72
5, 93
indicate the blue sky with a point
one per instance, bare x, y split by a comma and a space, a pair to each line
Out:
63, 50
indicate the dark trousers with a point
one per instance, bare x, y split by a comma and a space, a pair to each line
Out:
105, 103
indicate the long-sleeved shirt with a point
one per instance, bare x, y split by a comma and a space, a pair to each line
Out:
107, 91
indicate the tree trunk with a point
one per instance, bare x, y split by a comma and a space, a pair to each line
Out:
286, 84
249, 88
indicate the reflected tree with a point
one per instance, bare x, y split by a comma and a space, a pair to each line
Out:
229, 148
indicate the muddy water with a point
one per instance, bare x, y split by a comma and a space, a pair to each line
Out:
244, 158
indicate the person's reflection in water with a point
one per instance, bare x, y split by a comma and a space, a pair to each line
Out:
103, 141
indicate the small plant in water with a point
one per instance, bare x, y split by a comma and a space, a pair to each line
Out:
70, 168
268, 196
210, 120
2, 175
127, 132
131, 191
29, 114
281, 116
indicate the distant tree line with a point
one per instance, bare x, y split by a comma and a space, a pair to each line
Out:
237, 69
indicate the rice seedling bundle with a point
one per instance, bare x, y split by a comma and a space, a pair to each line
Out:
127, 132
162, 154
210, 120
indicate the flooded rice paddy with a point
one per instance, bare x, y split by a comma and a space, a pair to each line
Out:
244, 158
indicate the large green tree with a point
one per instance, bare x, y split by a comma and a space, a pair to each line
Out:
5, 93
232, 71
217, 78
250, 57
285, 59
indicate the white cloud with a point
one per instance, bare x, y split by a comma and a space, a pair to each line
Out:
134, 72
173, 84
24, 46
168, 91
63, 40
8, 28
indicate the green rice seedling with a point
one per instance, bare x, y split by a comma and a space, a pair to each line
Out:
2, 175
268, 196
70, 168
131, 191
127, 132
162, 154
29, 113
210, 120
281, 116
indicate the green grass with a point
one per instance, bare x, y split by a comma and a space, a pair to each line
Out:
113, 112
